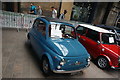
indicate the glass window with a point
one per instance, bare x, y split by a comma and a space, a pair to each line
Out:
81, 30
61, 31
108, 38
118, 31
35, 23
94, 35
82, 11
40, 27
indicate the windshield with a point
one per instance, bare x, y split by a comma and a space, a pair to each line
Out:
118, 31
108, 38
117, 34
61, 31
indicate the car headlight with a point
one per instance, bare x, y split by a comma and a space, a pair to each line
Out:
119, 59
89, 58
62, 62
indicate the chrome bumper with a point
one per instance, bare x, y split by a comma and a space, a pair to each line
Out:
115, 67
63, 71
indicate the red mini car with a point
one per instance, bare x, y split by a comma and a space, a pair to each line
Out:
100, 44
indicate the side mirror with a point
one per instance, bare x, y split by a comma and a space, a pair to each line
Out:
118, 42
78, 36
98, 42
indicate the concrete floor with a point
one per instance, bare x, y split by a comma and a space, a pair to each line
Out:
19, 61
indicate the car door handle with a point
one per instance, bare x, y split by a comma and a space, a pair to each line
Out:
83, 39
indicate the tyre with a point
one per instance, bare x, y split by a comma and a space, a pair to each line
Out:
28, 41
46, 66
103, 63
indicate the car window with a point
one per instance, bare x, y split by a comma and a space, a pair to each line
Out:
40, 27
35, 23
118, 31
94, 35
61, 31
81, 30
108, 38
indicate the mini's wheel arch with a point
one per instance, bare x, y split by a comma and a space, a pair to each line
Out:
49, 59
103, 55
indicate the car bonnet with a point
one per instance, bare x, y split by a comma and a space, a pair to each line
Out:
69, 47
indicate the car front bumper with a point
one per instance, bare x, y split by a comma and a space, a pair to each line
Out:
115, 67
72, 71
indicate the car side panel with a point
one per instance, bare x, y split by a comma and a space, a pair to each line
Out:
36, 43
92, 47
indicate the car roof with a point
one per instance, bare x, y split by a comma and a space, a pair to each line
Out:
109, 27
98, 29
50, 19
76, 23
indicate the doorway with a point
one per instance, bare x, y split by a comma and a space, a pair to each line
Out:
83, 11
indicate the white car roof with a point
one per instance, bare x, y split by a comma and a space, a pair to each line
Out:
98, 29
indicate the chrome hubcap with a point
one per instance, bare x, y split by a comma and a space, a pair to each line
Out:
45, 66
102, 62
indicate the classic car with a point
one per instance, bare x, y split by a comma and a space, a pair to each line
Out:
112, 29
100, 44
57, 46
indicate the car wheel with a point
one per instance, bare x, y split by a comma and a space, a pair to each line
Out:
102, 63
29, 41
46, 66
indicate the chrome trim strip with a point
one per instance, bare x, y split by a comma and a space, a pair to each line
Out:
115, 67
63, 71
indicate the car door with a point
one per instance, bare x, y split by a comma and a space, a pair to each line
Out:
92, 41
81, 31
39, 36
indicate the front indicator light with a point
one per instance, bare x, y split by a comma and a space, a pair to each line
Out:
58, 67
62, 63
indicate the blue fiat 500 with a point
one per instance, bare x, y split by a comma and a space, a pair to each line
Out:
56, 44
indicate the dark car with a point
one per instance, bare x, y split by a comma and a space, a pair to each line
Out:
112, 29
